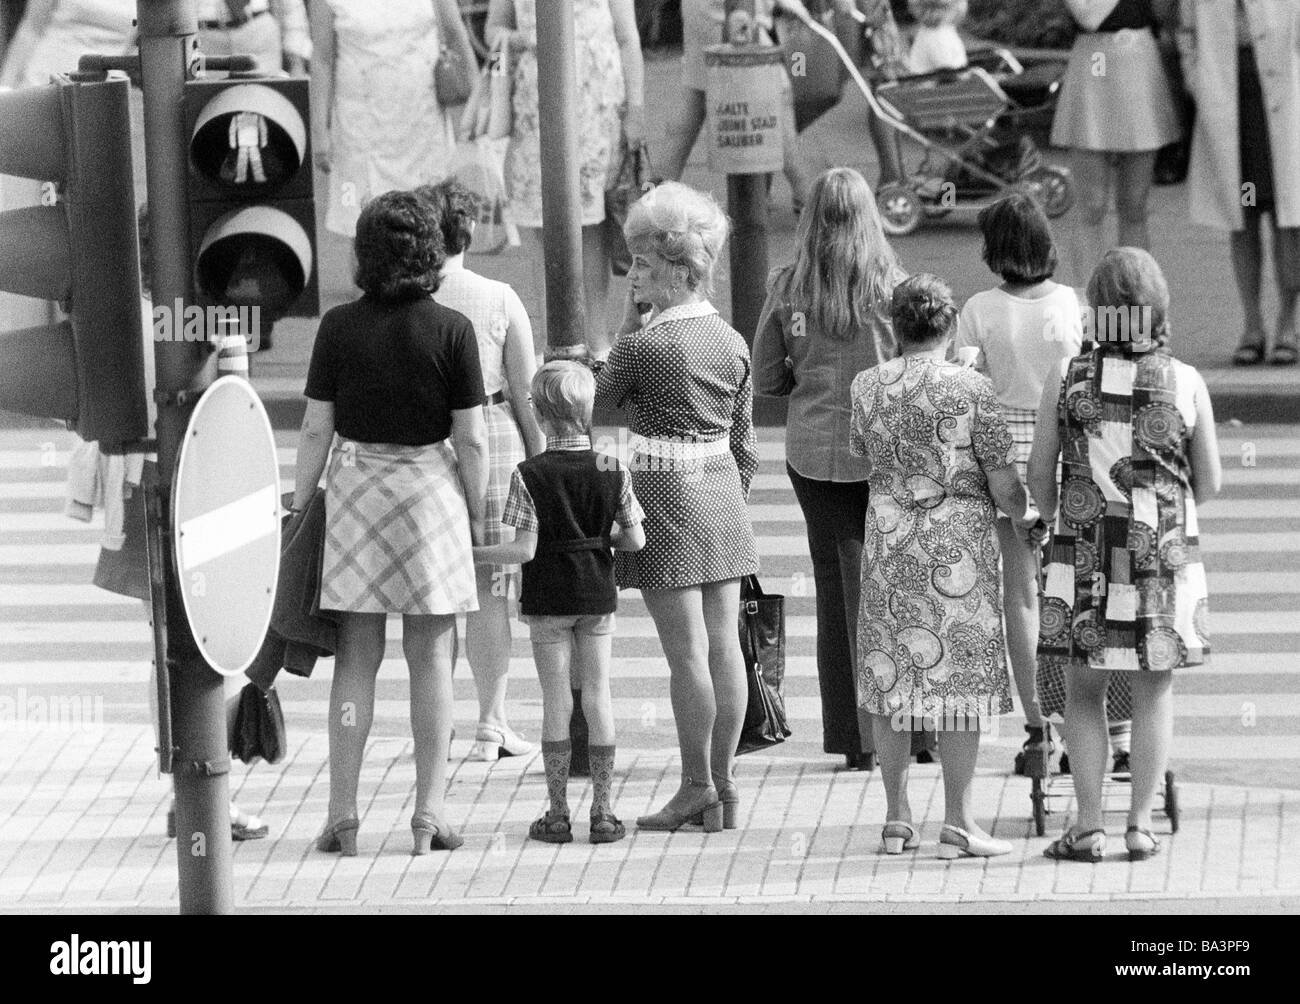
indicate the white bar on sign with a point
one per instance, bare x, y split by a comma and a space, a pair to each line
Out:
228, 528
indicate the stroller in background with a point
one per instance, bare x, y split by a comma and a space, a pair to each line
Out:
981, 130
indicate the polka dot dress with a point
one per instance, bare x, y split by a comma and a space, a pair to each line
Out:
685, 377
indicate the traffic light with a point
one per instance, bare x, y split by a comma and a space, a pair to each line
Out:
252, 219
80, 248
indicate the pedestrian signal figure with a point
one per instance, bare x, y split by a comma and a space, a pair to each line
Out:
569, 506
247, 138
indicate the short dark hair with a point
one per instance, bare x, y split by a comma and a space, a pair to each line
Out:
922, 310
1018, 239
398, 248
457, 207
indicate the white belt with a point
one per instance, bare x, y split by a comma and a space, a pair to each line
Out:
678, 449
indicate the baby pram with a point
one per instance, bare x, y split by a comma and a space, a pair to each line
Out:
979, 130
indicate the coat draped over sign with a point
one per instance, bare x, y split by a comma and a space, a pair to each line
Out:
1208, 30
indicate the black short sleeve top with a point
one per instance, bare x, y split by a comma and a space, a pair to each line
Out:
395, 371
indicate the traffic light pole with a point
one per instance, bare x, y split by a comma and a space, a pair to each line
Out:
566, 301
200, 757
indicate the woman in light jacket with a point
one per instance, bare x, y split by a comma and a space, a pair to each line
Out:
825, 321
1248, 133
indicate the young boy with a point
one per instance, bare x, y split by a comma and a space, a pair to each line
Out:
564, 505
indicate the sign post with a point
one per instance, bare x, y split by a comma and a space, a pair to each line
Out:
745, 109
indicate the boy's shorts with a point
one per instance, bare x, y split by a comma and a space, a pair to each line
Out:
556, 630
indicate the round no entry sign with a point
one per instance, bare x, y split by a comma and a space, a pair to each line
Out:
226, 524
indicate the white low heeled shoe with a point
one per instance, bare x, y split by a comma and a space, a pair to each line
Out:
954, 842
898, 836
493, 744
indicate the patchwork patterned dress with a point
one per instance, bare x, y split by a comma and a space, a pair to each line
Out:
1124, 586
930, 642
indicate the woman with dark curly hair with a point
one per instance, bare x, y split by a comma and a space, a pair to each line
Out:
930, 647
1124, 589
395, 375
505, 350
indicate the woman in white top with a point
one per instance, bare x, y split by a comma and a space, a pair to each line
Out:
1020, 331
505, 348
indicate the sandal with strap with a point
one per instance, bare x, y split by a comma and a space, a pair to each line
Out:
1141, 851
551, 829
1251, 350
897, 836
1067, 847
606, 828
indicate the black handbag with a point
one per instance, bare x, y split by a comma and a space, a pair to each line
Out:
453, 78
762, 645
258, 730
631, 182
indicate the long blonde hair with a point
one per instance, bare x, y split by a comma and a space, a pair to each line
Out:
844, 270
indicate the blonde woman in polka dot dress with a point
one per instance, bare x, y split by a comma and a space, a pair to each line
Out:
684, 377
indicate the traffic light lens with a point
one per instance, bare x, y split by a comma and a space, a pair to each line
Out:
257, 256
249, 138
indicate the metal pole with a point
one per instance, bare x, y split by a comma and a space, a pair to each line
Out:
168, 55
566, 301
747, 207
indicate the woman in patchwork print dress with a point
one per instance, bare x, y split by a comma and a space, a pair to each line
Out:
1125, 588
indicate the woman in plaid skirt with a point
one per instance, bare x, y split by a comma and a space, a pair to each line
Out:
505, 351
397, 377
1017, 334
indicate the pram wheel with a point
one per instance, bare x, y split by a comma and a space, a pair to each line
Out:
1053, 187
900, 209
1171, 801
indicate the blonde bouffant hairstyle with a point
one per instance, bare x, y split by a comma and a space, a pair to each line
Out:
681, 225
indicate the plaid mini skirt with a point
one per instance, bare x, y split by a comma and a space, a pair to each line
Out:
396, 531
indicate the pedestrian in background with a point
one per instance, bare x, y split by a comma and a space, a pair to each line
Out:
702, 26
611, 100
826, 320
376, 122
1125, 588
1116, 110
1018, 333
930, 645
569, 506
397, 376
684, 377
274, 32
1242, 64
505, 353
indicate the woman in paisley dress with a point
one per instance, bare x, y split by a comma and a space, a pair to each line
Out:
930, 645
610, 112
1124, 589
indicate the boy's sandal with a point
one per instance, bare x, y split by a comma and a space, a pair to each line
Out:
1146, 846
1067, 847
606, 828
1249, 353
551, 829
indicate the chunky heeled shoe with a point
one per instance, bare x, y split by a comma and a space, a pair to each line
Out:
492, 744
430, 834
1067, 847
1140, 843
693, 799
730, 799
954, 842
606, 828
897, 836
339, 838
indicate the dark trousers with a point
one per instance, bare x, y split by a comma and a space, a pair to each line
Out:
836, 514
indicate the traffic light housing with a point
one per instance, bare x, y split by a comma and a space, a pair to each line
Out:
80, 248
252, 218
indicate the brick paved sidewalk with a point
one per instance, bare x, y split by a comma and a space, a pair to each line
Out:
85, 824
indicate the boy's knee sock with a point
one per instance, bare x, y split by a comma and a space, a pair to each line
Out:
555, 757
578, 736
602, 777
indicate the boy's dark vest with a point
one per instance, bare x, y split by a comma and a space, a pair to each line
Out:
576, 495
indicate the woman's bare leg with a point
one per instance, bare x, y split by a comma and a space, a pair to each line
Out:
679, 618
1087, 240
487, 646
679, 138
1153, 729
727, 671
1020, 608
1086, 735
1134, 175
427, 641
352, 706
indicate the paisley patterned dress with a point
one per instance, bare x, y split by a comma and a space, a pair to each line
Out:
930, 624
601, 100
1124, 585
